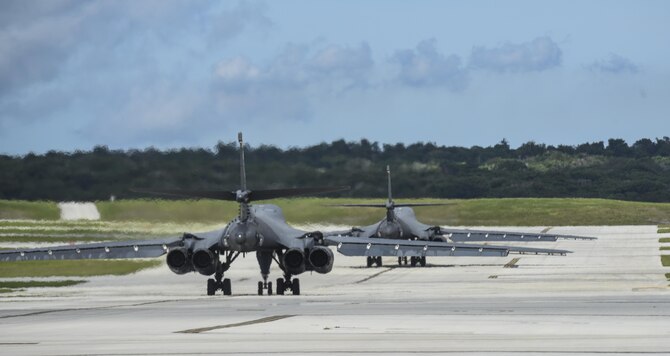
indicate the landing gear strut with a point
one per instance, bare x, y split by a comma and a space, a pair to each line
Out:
218, 282
374, 260
286, 283
265, 285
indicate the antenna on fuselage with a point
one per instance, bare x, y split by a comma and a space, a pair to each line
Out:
243, 173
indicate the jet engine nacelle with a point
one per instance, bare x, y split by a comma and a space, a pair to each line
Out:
179, 261
204, 262
294, 261
321, 258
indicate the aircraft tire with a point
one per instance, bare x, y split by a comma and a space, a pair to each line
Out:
423, 261
369, 261
412, 261
280, 286
227, 289
399, 261
296, 286
378, 259
260, 288
269, 288
211, 286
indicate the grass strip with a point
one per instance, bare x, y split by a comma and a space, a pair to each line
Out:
664, 230
667, 275
41, 231
665, 260
74, 268
59, 239
5, 290
663, 248
664, 239
37, 210
27, 284
472, 212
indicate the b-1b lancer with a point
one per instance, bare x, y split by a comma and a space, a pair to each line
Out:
261, 229
401, 223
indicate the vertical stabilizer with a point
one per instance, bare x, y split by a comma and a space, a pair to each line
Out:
388, 174
243, 172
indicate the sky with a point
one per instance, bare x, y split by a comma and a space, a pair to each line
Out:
166, 73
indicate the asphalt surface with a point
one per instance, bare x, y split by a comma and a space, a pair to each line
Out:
608, 297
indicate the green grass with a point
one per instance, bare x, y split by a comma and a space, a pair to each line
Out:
667, 275
491, 212
508, 211
59, 239
74, 268
79, 231
665, 248
665, 260
664, 239
5, 290
663, 230
15, 209
178, 211
27, 284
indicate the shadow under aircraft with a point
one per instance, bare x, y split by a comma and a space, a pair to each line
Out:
259, 228
400, 223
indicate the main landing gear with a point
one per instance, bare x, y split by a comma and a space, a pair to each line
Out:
286, 283
218, 282
374, 260
414, 260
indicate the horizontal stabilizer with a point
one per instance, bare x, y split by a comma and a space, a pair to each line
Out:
385, 206
199, 194
292, 192
253, 195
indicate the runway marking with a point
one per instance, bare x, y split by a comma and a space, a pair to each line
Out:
244, 323
512, 263
79, 309
546, 230
373, 276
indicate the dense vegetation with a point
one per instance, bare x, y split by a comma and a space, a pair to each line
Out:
615, 170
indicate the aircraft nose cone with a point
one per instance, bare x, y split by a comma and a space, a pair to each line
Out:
240, 239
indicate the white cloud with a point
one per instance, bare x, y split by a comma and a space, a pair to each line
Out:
539, 54
614, 64
425, 66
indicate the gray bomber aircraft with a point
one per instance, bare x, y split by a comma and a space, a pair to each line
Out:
401, 223
261, 229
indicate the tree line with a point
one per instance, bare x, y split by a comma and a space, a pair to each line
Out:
612, 169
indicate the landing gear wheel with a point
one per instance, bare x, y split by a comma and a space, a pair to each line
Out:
260, 288
369, 261
423, 261
211, 286
378, 260
269, 288
413, 261
399, 261
296, 286
404, 259
227, 290
280, 286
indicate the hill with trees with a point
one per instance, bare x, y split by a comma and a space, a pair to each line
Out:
614, 170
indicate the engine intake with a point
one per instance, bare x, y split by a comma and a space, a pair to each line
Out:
294, 261
321, 258
179, 262
204, 262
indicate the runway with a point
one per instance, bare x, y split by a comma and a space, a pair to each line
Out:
610, 296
